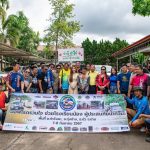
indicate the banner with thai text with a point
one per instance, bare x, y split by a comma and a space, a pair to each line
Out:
66, 113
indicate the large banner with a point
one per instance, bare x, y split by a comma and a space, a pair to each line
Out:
66, 113
70, 55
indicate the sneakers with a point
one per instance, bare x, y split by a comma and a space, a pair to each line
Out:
143, 129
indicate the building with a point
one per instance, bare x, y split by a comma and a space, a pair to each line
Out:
142, 46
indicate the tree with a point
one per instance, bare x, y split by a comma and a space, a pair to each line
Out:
140, 58
141, 7
17, 31
62, 27
4, 5
100, 53
47, 53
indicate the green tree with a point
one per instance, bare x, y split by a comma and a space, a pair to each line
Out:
17, 31
47, 53
4, 5
140, 58
62, 26
101, 52
141, 7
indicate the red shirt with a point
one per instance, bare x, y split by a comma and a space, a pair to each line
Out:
2, 99
140, 80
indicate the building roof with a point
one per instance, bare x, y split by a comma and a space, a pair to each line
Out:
128, 48
6, 50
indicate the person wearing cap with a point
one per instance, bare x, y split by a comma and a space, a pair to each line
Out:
15, 80
141, 106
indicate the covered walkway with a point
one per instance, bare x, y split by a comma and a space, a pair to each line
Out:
142, 46
8, 51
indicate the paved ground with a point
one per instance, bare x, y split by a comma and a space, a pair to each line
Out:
133, 140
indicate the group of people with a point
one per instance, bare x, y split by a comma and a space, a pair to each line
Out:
66, 78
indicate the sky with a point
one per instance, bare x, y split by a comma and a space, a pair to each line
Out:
101, 19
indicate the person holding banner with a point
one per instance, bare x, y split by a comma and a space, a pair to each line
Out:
15, 80
56, 72
141, 105
2, 105
27, 80
113, 81
83, 82
44, 81
73, 81
63, 76
34, 86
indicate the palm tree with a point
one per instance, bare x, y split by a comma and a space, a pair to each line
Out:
4, 5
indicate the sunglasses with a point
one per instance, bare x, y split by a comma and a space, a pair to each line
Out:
27, 72
58, 68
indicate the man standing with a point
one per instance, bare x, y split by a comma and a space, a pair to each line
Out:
93, 74
56, 80
123, 80
140, 79
34, 86
15, 80
43, 80
40, 68
63, 76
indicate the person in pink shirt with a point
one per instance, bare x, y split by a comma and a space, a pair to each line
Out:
140, 79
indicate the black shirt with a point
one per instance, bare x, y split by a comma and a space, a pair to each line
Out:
43, 77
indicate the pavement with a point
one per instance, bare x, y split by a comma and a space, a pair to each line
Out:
133, 140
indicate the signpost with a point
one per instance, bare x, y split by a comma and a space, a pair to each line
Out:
70, 55
66, 113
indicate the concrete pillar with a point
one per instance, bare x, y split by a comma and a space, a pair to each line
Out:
130, 58
117, 64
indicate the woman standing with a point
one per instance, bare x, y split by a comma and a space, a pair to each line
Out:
83, 82
27, 80
34, 86
73, 81
113, 81
102, 82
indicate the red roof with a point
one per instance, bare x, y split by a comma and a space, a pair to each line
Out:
141, 41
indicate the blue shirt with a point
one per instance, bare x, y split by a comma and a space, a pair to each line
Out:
141, 105
124, 79
39, 71
50, 78
113, 80
15, 79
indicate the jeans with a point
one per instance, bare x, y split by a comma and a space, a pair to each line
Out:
64, 91
113, 89
34, 90
2, 116
92, 89
147, 122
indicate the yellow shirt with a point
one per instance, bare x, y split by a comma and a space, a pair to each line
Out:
93, 76
64, 75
